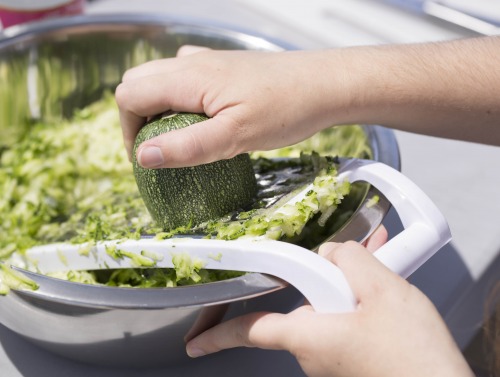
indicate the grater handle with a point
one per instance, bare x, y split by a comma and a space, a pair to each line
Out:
425, 228
425, 232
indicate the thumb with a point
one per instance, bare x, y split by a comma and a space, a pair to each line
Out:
263, 330
200, 143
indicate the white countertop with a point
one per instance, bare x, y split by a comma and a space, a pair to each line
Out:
461, 178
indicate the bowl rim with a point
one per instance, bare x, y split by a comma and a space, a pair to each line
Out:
16, 33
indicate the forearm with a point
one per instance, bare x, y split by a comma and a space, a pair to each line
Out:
448, 89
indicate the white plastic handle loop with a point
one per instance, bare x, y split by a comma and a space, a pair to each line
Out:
426, 229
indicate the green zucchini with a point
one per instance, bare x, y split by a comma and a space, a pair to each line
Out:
190, 196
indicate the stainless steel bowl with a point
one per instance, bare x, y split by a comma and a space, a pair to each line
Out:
49, 69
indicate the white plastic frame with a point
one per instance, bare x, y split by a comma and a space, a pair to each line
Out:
321, 282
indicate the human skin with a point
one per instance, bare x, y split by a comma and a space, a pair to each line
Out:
265, 100
394, 331
262, 100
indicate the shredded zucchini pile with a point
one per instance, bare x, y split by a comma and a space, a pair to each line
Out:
69, 181
72, 182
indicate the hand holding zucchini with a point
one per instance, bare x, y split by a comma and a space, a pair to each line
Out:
181, 196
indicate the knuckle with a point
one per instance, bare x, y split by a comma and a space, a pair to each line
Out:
238, 138
129, 74
192, 146
243, 331
188, 148
338, 253
123, 94
327, 249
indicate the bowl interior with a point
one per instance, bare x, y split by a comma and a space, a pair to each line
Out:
50, 69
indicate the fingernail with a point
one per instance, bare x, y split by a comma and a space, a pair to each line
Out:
195, 352
150, 157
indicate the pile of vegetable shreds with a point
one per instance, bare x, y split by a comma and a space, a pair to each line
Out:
72, 182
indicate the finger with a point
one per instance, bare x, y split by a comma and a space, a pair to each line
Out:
194, 145
131, 124
148, 96
157, 93
377, 239
152, 67
264, 330
366, 275
159, 66
327, 248
190, 49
